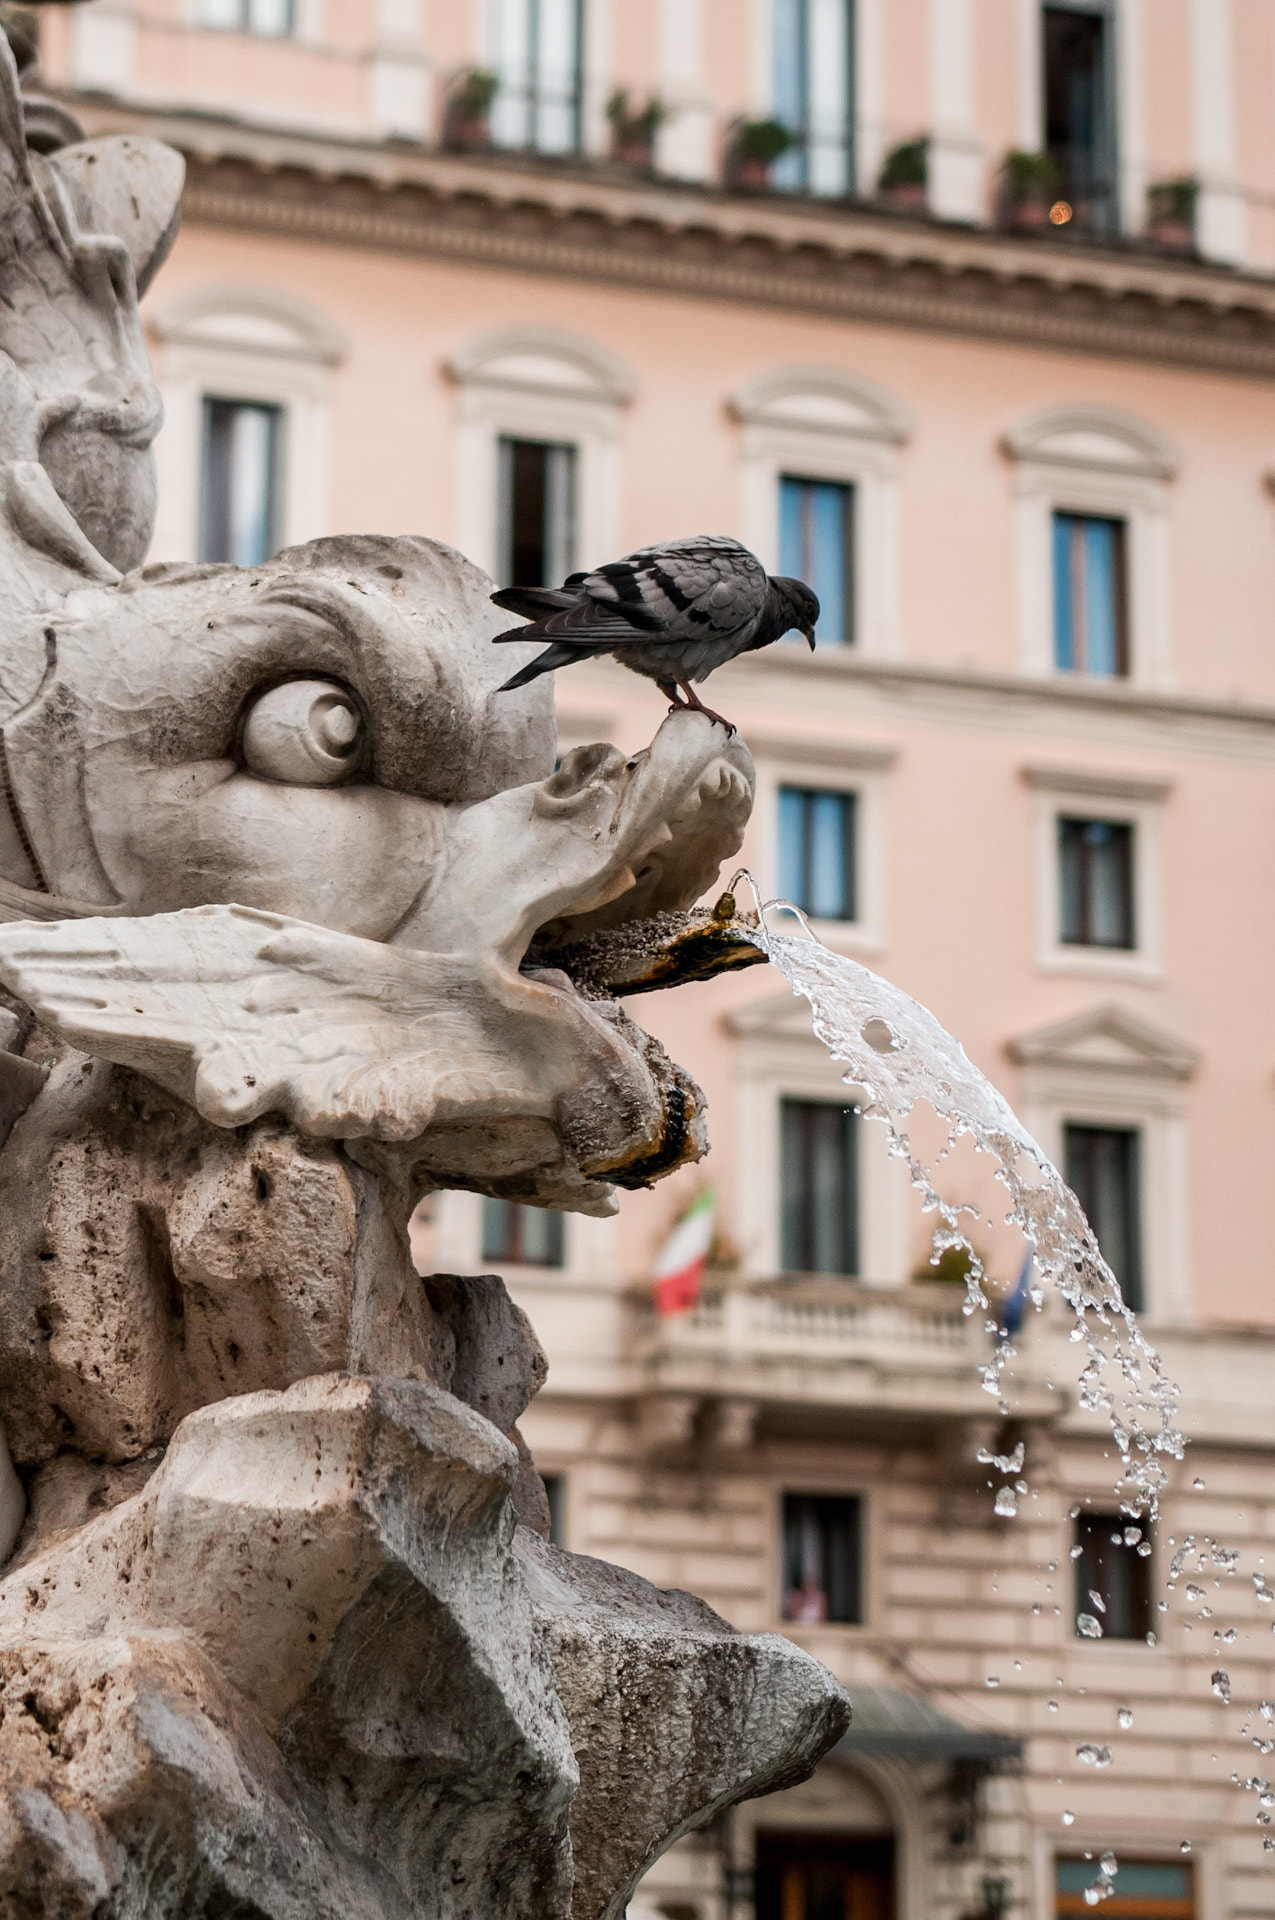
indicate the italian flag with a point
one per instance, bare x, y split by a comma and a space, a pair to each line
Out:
679, 1270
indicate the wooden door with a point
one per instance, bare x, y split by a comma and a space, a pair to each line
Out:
824, 1876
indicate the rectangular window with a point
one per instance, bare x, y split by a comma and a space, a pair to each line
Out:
521, 1236
239, 509
819, 1179
1090, 599
1101, 1166
1095, 880
814, 93
816, 544
555, 1485
823, 1558
537, 512
1150, 1889
824, 1876
272, 19
538, 62
817, 851
1079, 112
1112, 1567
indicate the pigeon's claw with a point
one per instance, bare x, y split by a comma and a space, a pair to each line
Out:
696, 705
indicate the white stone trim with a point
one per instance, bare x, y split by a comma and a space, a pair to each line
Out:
839, 770
776, 1059
1028, 74
538, 383
824, 424
684, 143
243, 343
1221, 211
1130, 107
956, 154
1082, 458
869, 93
1145, 961
104, 47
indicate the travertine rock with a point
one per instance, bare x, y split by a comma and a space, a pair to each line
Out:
273, 854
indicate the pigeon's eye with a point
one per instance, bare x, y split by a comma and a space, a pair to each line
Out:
306, 732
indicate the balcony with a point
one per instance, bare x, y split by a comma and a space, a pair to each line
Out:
835, 1349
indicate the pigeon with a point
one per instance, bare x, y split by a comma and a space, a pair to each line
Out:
673, 613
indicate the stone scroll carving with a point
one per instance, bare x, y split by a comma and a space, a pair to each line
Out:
298, 922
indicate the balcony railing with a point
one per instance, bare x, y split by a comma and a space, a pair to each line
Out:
907, 1350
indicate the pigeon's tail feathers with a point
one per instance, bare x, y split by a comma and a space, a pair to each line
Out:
532, 602
554, 656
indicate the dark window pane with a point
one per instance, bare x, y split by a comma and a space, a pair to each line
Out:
1113, 1569
824, 1876
1079, 123
239, 492
1090, 597
1095, 877
823, 1558
1102, 1169
555, 1485
537, 512
819, 1227
538, 61
1151, 1889
816, 544
817, 853
813, 93
530, 1236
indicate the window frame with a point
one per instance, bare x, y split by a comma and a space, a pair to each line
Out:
557, 568
1120, 548
851, 1228
873, 1557
1127, 844
518, 1259
1134, 1205
532, 105
792, 173
849, 550
848, 797
1147, 1576
1135, 801
1095, 462
821, 423
857, 768
274, 481
1109, 138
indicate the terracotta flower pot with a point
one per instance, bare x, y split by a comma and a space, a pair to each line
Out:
1028, 216
469, 135
907, 196
633, 153
1172, 233
749, 171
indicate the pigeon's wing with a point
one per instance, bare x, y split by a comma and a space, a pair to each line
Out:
701, 588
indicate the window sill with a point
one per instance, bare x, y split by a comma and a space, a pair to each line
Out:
1102, 963
847, 936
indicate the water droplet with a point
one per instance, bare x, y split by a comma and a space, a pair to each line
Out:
1193, 1592
1068, 1818
1132, 1535
1092, 1755
993, 1680
1267, 1709
1100, 1605
1005, 1503
1088, 1626
1184, 1847
1220, 1681
1109, 1866
1230, 1636
1124, 1718
1198, 1484
1053, 1706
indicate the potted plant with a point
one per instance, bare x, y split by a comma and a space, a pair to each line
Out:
467, 124
1030, 184
902, 181
755, 146
1171, 213
633, 128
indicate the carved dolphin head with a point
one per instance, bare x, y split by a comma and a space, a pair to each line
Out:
300, 774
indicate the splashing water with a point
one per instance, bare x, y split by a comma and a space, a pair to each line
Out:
898, 1054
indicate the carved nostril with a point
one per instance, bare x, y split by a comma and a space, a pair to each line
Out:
306, 732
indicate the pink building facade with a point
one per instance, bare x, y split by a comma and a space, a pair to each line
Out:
988, 352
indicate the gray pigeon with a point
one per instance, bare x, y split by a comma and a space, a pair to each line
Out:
672, 613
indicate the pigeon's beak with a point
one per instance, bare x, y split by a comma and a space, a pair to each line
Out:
810, 635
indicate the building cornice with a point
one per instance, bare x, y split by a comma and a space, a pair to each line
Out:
588, 221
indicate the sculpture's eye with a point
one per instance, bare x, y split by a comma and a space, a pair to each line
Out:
307, 732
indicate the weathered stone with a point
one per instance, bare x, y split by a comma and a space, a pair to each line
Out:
673, 1714
499, 1366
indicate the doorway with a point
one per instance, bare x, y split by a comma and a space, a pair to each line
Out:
824, 1876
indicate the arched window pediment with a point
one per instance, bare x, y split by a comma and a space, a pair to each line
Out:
822, 400
262, 321
543, 360
1096, 439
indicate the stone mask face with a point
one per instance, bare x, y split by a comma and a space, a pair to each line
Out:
325, 844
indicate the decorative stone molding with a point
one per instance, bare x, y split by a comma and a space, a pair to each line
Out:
1090, 437
250, 319
543, 360
1107, 1039
823, 400
1092, 783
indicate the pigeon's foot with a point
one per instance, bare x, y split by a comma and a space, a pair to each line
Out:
693, 704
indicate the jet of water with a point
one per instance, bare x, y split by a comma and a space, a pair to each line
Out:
896, 1052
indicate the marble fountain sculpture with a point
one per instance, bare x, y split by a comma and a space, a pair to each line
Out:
298, 923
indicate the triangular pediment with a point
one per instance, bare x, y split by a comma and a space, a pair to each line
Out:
1107, 1039
779, 1016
